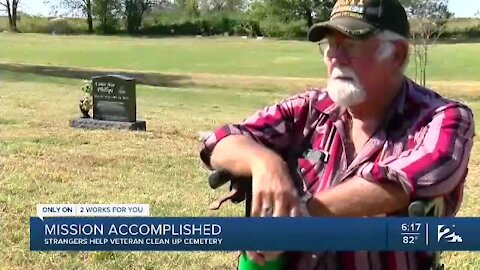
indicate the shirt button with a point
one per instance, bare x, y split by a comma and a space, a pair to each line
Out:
314, 256
302, 170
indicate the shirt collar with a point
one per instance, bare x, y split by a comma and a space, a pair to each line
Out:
330, 108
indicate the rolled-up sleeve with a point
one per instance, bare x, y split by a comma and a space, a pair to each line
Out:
437, 164
271, 126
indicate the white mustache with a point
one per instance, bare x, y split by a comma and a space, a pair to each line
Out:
343, 72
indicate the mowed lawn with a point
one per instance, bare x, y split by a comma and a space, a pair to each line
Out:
453, 62
43, 160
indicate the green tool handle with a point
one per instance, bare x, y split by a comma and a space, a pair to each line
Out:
245, 263
218, 179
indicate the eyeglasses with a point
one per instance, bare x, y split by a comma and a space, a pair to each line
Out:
352, 48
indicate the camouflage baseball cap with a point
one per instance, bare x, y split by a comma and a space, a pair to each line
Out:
360, 19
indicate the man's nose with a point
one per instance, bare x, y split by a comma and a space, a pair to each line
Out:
339, 56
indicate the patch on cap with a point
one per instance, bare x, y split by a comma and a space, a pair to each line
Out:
348, 8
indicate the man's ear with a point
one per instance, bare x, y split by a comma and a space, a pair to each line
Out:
401, 53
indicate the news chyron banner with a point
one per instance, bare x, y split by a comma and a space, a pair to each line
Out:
131, 228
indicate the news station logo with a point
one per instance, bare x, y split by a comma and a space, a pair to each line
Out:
448, 235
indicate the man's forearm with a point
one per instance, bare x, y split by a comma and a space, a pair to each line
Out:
359, 198
354, 198
238, 153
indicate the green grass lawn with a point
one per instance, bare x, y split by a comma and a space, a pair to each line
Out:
43, 160
455, 62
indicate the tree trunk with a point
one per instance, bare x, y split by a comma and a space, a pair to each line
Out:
139, 19
130, 9
14, 15
415, 54
89, 17
425, 58
144, 6
9, 13
308, 17
105, 23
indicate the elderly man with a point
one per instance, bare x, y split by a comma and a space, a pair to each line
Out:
374, 140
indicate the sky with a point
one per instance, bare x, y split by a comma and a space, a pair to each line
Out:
461, 8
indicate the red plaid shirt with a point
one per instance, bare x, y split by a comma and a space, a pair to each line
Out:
424, 145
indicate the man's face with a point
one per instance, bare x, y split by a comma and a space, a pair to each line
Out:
355, 70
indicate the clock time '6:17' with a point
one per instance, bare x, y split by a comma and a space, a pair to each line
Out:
411, 227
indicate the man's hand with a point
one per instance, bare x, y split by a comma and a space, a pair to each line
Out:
273, 194
273, 191
262, 257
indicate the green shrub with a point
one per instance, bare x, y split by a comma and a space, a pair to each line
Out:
217, 24
3, 23
174, 28
30, 24
59, 26
270, 28
246, 27
294, 29
468, 32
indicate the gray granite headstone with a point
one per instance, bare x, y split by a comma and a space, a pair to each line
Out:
114, 98
114, 105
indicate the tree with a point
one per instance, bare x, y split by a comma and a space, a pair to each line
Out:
222, 5
190, 8
285, 11
313, 10
134, 11
74, 7
107, 12
11, 8
429, 19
